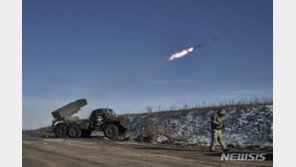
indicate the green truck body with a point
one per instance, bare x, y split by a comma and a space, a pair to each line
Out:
102, 119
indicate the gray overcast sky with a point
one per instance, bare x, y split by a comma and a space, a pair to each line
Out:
115, 53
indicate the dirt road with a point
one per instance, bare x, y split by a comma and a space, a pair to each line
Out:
98, 152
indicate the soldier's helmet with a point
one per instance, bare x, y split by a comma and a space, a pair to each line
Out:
222, 112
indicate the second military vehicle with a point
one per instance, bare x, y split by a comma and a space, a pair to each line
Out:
103, 119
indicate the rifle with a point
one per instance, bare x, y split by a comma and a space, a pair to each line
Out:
223, 125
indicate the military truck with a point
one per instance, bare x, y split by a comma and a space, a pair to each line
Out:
102, 119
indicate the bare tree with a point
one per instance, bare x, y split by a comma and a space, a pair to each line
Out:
149, 109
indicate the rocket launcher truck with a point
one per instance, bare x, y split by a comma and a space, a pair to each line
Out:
102, 119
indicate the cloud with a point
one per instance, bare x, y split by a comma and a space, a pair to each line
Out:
169, 81
243, 91
184, 80
250, 92
160, 82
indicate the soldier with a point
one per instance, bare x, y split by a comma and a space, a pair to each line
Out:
217, 126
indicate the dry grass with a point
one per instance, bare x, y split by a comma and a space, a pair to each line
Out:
207, 107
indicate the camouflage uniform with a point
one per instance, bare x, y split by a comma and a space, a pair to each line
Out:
217, 125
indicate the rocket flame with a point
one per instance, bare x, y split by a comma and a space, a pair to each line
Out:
181, 54
186, 51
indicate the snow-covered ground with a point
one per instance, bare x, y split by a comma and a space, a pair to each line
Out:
244, 126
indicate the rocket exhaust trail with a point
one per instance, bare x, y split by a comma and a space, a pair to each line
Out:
204, 43
186, 51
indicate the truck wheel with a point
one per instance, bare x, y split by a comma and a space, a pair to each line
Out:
74, 131
86, 133
111, 131
60, 131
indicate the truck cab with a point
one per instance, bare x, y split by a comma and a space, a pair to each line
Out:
99, 116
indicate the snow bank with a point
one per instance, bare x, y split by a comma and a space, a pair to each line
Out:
244, 126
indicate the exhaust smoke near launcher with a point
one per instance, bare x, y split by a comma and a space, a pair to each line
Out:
191, 49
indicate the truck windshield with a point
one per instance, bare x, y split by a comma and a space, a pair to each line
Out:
110, 112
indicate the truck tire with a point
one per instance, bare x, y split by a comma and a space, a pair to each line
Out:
74, 131
60, 130
111, 131
85, 133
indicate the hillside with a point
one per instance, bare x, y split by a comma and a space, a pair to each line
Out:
246, 125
